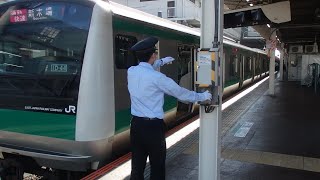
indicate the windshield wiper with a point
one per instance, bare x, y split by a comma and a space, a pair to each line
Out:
17, 74
21, 76
3, 52
13, 86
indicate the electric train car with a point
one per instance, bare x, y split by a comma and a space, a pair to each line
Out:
64, 102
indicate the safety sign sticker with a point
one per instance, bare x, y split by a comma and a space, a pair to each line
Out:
204, 59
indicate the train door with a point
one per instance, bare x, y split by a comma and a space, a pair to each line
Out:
123, 59
231, 70
254, 58
185, 76
259, 65
248, 70
242, 66
241, 70
223, 62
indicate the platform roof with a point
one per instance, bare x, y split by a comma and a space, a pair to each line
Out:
305, 19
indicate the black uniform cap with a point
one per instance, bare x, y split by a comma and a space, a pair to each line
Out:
147, 44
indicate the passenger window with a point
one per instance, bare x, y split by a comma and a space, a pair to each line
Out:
233, 65
248, 64
184, 58
123, 57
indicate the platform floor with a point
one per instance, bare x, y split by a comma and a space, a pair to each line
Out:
263, 137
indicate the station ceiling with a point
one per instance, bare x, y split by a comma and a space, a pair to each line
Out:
304, 26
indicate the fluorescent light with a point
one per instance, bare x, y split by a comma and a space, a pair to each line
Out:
268, 25
251, 4
277, 53
247, 0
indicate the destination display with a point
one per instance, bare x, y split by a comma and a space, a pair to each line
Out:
45, 12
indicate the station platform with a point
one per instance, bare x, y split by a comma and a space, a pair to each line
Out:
263, 137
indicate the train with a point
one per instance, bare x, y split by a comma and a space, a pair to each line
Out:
64, 102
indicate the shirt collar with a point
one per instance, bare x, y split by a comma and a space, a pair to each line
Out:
145, 64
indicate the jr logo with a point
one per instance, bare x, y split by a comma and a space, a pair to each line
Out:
70, 109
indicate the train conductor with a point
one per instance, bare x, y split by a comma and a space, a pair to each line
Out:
147, 87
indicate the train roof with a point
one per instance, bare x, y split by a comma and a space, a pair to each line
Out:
125, 11
149, 18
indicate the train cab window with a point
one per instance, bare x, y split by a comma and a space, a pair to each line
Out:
123, 58
41, 49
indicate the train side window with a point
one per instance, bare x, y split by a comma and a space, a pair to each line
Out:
248, 64
123, 57
233, 65
184, 58
236, 64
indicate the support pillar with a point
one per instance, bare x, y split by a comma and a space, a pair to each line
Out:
209, 136
272, 66
281, 61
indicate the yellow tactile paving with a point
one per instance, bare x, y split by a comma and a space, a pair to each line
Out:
270, 158
273, 159
290, 161
229, 154
311, 164
193, 149
250, 156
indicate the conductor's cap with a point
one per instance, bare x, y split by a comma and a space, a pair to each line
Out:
146, 44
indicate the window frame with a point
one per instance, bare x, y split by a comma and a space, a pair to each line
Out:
125, 64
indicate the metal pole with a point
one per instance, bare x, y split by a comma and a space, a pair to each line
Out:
281, 61
209, 143
272, 66
285, 62
316, 69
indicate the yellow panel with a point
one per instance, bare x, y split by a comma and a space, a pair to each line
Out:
203, 85
212, 56
212, 76
213, 62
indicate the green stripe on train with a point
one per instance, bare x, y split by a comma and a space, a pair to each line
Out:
123, 117
231, 82
58, 125
38, 123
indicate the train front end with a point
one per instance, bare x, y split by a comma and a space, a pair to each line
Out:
56, 91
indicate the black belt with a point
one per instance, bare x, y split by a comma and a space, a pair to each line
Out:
144, 118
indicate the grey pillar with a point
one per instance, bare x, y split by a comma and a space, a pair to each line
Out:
272, 66
209, 142
281, 61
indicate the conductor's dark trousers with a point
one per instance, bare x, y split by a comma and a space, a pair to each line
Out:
148, 139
